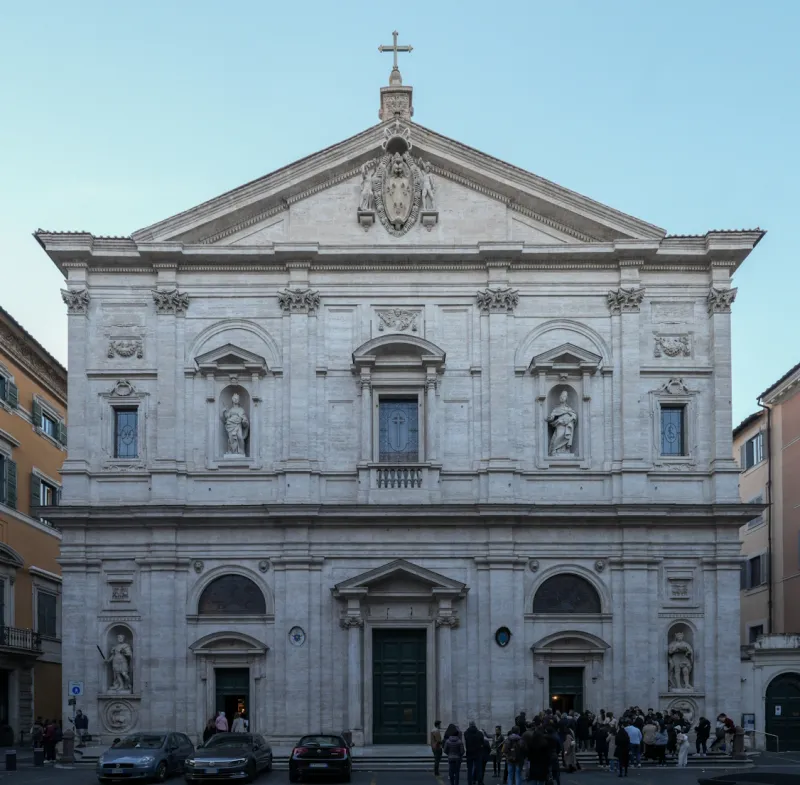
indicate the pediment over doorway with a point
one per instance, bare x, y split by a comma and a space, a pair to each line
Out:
570, 641
226, 643
400, 580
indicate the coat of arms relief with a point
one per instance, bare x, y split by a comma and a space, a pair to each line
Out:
397, 187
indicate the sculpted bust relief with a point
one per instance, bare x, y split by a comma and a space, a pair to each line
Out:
562, 420
237, 426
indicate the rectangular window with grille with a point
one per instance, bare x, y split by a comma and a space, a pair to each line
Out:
46, 607
673, 430
126, 433
398, 430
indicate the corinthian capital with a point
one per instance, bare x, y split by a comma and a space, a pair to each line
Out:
720, 300
76, 300
624, 300
298, 300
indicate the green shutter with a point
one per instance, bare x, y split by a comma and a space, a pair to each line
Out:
62, 433
36, 491
742, 458
11, 483
12, 394
57, 500
36, 414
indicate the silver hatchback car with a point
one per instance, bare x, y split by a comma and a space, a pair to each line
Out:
145, 757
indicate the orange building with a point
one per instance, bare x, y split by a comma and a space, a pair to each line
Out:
33, 436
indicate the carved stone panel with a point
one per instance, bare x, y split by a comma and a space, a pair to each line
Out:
399, 320
672, 345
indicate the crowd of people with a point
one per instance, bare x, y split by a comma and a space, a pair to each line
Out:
45, 734
536, 750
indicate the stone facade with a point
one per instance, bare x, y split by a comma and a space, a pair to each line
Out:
486, 297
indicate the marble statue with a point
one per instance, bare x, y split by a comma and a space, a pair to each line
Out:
367, 203
427, 186
120, 659
563, 419
681, 663
237, 426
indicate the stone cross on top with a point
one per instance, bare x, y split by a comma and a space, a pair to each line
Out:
395, 78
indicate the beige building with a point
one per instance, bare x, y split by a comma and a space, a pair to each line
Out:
767, 444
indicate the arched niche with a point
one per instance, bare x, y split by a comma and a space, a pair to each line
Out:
681, 665
228, 412
566, 592
232, 594
119, 654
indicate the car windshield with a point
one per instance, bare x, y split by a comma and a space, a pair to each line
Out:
222, 739
321, 741
140, 741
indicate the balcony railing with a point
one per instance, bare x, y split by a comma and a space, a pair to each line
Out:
22, 640
399, 477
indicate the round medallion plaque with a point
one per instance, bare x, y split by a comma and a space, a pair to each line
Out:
502, 637
297, 636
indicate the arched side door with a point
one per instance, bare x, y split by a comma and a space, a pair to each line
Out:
782, 711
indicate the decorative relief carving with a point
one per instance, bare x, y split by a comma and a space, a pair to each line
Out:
674, 386
119, 716
720, 300
76, 300
126, 347
263, 565
198, 565
675, 467
120, 592
498, 300
447, 621
672, 345
679, 590
123, 388
599, 565
398, 319
397, 188
533, 565
624, 300
298, 300
671, 313
348, 622
170, 300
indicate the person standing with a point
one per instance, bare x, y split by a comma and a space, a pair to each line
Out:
611, 738
221, 723
703, 731
600, 734
515, 756
497, 751
683, 749
473, 744
49, 741
486, 752
238, 724
660, 739
635, 750
454, 749
209, 730
37, 733
436, 746
622, 751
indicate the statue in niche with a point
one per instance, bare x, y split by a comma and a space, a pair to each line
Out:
367, 203
563, 420
237, 426
120, 658
427, 186
681, 662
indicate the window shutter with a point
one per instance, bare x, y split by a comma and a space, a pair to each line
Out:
36, 491
742, 457
11, 483
765, 443
764, 568
36, 413
12, 394
57, 499
743, 576
62, 433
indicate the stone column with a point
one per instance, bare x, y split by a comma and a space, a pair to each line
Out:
446, 622
366, 416
353, 622
430, 416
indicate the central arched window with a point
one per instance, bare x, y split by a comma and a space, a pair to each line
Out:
232, 594
566, 593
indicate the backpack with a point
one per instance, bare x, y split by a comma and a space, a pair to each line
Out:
514, 751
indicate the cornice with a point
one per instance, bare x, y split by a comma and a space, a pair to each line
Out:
26, 352
262, 216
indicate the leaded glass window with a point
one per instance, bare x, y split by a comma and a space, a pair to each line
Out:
126, 436
232, 594
566, 593
398, 440
672, 430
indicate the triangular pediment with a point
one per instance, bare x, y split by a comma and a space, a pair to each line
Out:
478, 198
566, 357
231, 359
400, 578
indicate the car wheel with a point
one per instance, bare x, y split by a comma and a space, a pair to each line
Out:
269, 765
252, 771
161, 771
294, 776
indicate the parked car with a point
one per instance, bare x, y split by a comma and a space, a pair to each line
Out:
233, 756
145, 756
324, 755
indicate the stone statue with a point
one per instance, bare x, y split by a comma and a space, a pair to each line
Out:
681, 663
237, 426
427, 186
120, 659
563, 419
367, 203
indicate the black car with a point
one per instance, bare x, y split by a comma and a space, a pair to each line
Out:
324, 755
230, 756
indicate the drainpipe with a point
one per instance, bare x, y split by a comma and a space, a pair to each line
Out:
769, 511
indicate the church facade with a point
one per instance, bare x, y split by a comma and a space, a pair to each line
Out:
398, 433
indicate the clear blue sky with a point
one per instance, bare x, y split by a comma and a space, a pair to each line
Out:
684, 113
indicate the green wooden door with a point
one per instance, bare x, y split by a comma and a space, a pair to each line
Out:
782, 712
566, 689
399, 689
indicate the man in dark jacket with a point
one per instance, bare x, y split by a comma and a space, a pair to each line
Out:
473, 745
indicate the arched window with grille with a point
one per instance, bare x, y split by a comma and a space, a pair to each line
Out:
232, 595
566, 593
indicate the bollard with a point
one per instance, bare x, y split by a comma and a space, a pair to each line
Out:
38, 756
11, 760
67, 747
